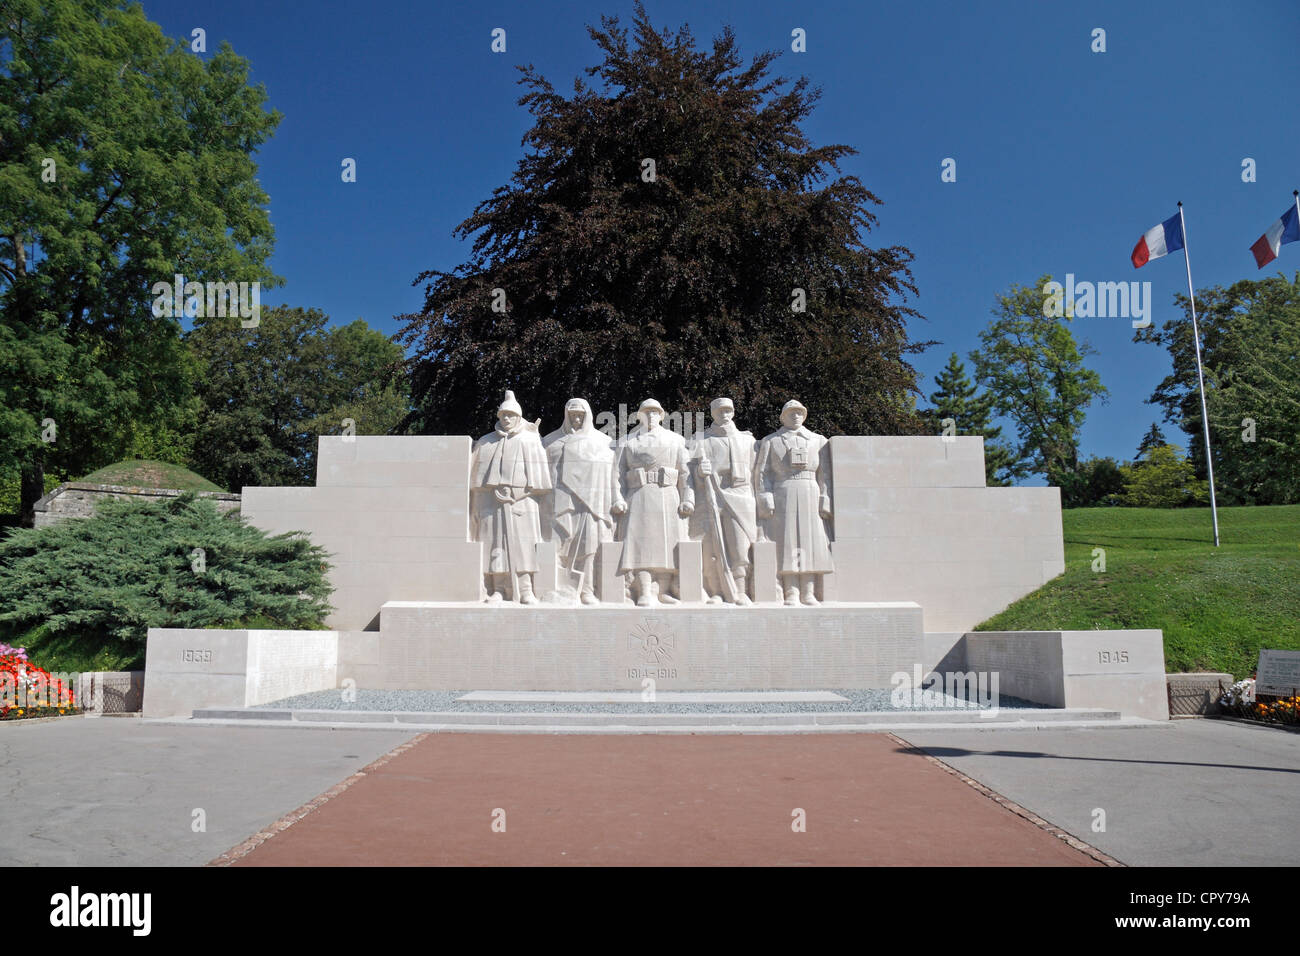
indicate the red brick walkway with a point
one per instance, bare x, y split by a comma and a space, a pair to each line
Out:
656, 800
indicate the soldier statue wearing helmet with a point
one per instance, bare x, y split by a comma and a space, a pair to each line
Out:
793, 501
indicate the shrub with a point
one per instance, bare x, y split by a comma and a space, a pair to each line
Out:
103, 581
1163, 479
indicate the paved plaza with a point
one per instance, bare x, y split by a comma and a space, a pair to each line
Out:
127, 792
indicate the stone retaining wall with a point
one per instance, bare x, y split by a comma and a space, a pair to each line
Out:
77, 499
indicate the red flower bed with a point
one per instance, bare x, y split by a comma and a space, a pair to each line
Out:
30, 691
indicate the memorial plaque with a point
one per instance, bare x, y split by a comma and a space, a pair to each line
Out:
1278, 673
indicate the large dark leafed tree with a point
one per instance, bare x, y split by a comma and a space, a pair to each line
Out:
650, 244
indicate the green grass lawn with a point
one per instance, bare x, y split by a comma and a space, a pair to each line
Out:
150, 474
1217, 607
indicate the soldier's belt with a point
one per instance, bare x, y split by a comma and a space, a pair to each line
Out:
801, 476
637, 477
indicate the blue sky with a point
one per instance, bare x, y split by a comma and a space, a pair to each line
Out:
1064, 157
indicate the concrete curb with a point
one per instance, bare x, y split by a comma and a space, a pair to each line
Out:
42, 720
644, 719
680, 728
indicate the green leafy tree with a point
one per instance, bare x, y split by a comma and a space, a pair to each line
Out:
1250, 349
105, 580
124, 160
1035, 375
1164, 478
1098, 481
658, 239
957, 398
269, 392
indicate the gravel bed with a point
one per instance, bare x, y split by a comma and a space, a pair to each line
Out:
445, 700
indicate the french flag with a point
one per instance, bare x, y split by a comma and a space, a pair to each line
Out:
1286, 229
1159, 241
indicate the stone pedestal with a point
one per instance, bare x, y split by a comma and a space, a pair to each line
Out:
610, 586
690, 571
475, 647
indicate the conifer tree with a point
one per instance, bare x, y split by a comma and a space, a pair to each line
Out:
957, 398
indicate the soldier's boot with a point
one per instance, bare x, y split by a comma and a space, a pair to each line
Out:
663, 586
496, 585
643, 589
588, 595
526, 595
742, 598
810, 589
791, 590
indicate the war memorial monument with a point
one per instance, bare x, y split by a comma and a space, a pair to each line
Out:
578, 558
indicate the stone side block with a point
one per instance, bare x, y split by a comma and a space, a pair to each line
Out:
267, 503
202, 651
189, 668
1031, 499
869, 448
450, 525
359, 652
334, 450
364, 549
356, 607
1114, 652
1133, 695
946, 473
1043, 548
887, 473
854, 449
394, 474
334, 524
1117, 669
400, 500
396, 575
179, 695
1028, 663
1010, 572
389, 448
285, 663
944, 652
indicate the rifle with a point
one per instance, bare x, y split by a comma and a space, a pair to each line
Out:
724, 573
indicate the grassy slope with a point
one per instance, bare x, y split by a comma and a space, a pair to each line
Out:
1217, 607
150, 474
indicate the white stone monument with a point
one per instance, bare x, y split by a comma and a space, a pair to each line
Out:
794, 562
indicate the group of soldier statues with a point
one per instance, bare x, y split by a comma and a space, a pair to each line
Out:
651, 490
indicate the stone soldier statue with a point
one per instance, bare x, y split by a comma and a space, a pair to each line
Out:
508, 472
790, 475
655, 495
582, 471
723, 460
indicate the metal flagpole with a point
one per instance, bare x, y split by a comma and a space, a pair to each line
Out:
1200, 377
